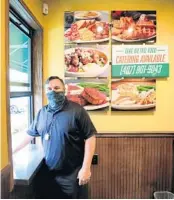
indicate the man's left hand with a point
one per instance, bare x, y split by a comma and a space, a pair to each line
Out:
84, 176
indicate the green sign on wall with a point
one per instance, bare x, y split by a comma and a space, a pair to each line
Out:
140, 61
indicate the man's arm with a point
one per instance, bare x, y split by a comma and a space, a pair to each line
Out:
88, 132
30, 134
89, 152
27, 139
85, 172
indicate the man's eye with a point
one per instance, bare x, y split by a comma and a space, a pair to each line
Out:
48, 88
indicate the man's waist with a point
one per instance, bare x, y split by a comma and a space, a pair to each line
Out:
63, 169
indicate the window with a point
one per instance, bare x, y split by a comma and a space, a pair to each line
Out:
20, 76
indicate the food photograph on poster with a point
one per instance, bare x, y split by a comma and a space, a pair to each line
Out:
92, 94
86, 27
86, 61
133, 94
133, 26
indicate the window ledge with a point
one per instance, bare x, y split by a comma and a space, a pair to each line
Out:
26, 163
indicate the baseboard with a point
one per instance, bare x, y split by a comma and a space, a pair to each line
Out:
5, 182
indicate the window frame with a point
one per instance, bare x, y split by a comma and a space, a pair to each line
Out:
37, 62
29, 94
21, 20
22, 10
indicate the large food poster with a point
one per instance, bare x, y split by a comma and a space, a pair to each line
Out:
87, 58
87, 61
140, 61
107, 49
92, 94
133, 94
86, 27
133, 26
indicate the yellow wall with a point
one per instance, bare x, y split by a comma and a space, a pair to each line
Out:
160, 120
4, 147
35, 7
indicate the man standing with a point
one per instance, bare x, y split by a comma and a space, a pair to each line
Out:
68, 139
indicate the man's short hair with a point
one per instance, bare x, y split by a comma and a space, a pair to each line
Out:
52, 78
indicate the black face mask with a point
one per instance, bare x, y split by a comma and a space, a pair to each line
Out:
56, 100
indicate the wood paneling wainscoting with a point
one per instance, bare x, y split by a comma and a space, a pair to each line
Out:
132, 166
5, 182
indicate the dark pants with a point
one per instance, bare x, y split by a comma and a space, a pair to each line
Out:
59, 185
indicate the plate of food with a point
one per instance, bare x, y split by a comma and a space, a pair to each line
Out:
117, 38
87, 31
87, 14
92, 96
127, 30
133, 96
85, 62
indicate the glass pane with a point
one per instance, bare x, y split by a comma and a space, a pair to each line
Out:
20, 60
20, 118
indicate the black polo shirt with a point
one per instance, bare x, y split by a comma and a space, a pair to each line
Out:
68, 129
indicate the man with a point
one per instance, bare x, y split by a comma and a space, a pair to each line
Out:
68, 139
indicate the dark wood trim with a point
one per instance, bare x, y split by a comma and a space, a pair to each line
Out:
5, 170
173, 169
135, 134
5, 182
37, 65
132, 167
